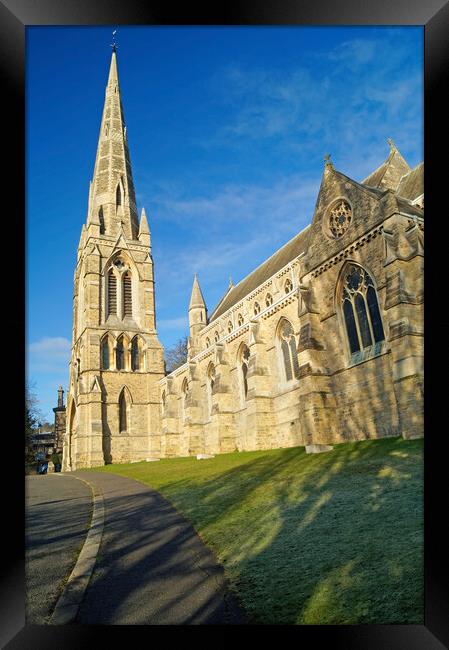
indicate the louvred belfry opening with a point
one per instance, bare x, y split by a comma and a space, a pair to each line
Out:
127, 295
112, 294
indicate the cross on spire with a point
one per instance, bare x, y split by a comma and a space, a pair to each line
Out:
114, 44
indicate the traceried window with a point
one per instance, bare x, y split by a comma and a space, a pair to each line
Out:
288, 286
135, 354
216, 337
127, 295
240, 320
112, 293
207, 342
105, 354
230, 328
288, 351
256, 308
268, 299
360, 309
120, 354
244, 359
339, 219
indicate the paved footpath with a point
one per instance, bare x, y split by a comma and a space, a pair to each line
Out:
57, 515
152, 568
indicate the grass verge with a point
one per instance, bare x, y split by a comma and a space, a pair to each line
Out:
333, 538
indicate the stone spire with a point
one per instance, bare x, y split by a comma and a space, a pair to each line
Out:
112, 190
196, 299
144, 231
197, 309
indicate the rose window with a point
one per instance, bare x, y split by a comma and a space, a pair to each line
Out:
339, 219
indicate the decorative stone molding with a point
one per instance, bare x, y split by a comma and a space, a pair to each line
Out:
347, 252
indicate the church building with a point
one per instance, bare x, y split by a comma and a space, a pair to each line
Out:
319, 345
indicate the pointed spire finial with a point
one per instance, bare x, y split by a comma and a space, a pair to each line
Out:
196, 298
392, 144
143, 228
327, 161
114, 44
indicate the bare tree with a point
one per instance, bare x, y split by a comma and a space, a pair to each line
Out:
33, 416
176, 355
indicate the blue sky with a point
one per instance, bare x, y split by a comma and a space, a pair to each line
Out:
227, 128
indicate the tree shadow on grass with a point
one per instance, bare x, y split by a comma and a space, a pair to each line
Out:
338, 541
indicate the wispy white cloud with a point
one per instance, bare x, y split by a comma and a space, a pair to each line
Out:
360, 88
173, 323
49, 355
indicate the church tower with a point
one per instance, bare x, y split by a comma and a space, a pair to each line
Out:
113, 410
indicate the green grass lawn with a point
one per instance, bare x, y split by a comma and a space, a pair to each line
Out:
333, 538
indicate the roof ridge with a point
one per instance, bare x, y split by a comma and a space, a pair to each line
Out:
229, 291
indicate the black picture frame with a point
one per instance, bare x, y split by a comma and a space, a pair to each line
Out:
15, 16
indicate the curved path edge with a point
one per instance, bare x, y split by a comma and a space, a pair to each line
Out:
71, 598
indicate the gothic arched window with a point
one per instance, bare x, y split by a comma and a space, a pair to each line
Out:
256, 308
120, 354
288, 351
118, 196
360, 309
123, 412
127, 295
207, 342
210, 381
229, 326
288, 286
240, 320
268, 299
216, 337
112, 294
244, 359
135, 355
184, 394
105, 360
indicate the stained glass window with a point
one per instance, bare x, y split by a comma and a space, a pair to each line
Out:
339, 219
289, 351
361, 309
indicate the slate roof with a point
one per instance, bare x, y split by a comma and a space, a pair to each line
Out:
388, 175
393, 174
277, 261
411, 185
